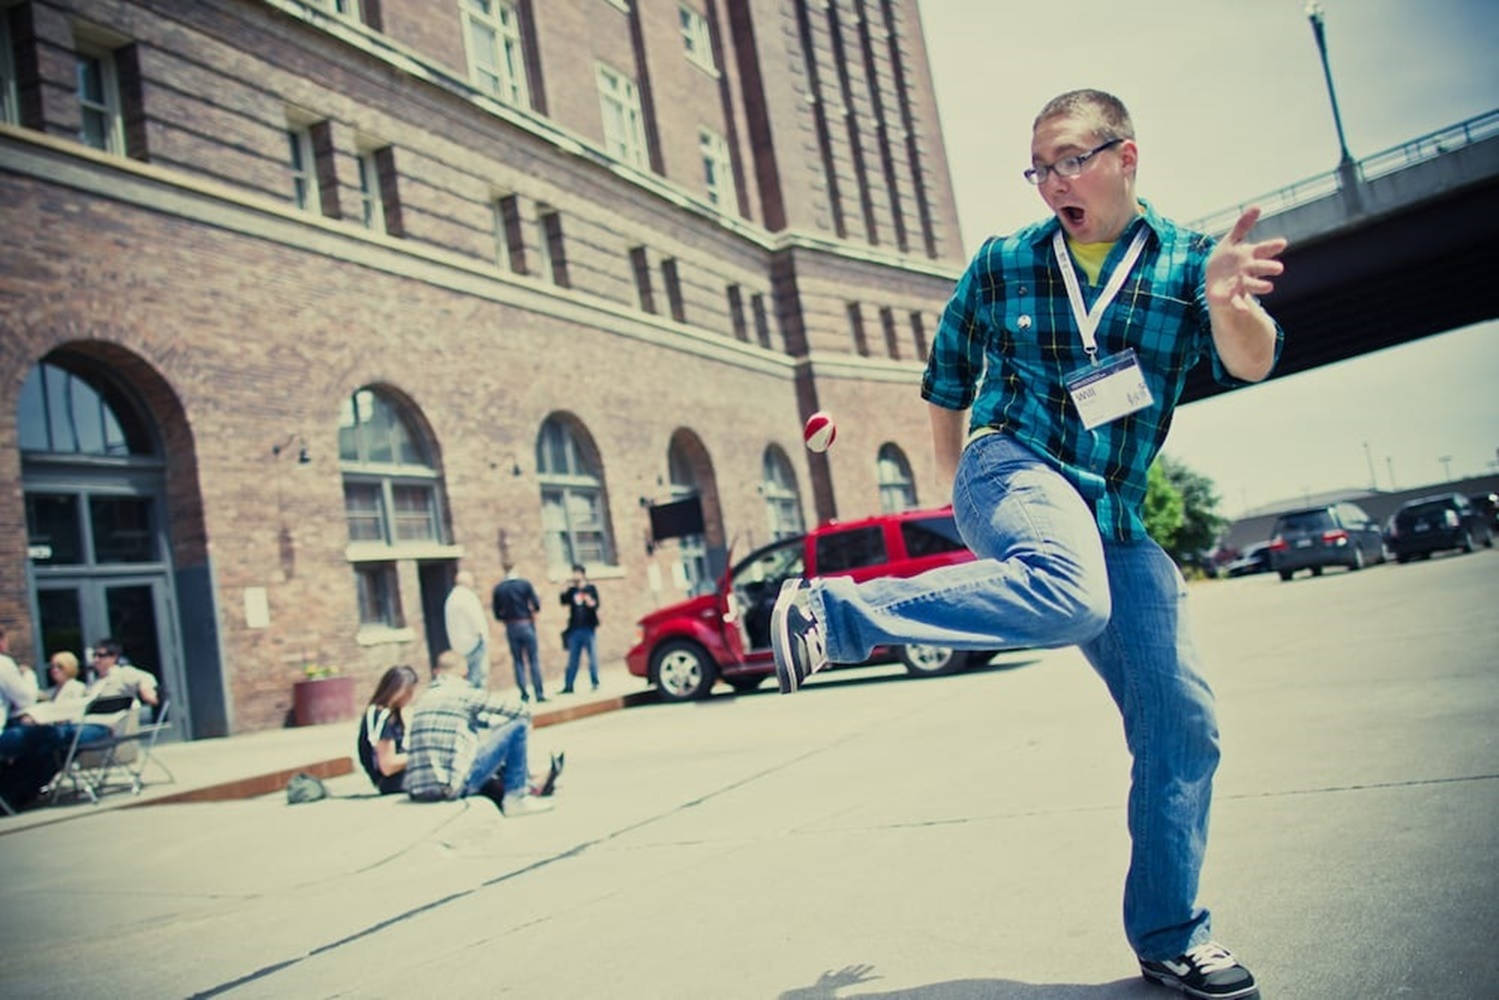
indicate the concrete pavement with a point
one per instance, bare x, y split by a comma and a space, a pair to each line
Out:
961, 837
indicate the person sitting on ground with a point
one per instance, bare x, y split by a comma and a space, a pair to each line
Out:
382, 730
116, 678
459, 739
66, 687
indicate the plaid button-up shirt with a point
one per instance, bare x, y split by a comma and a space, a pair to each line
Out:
1008, 339
443, 735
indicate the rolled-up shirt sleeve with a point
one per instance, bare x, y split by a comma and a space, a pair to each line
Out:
956, 364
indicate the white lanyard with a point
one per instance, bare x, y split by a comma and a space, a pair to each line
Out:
1087, 321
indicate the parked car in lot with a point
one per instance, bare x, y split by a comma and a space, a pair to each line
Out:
1335, 534
684, 648
1445, 521
1254, 559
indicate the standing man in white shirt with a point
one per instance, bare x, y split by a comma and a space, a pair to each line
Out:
468, 628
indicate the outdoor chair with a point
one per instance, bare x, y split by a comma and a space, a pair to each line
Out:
91, 765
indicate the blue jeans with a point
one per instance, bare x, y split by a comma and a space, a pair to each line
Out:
522, 639
579, 639
501, 748
1045, 578
478, 665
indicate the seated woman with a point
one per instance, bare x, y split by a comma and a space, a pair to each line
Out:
382, 730
66, 687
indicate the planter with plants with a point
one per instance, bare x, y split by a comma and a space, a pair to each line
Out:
322, 695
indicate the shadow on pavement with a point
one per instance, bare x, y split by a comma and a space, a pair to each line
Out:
830, 983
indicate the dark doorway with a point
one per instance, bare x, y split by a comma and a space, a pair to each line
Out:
436, 580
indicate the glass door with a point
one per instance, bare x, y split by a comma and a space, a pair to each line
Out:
134, 611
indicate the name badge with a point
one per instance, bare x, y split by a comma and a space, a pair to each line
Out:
1112, 388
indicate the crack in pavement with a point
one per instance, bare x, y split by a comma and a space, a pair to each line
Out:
575, 851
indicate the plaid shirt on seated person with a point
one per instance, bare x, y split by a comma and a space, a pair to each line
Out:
442, 734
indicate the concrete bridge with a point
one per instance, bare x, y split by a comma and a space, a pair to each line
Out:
1397, 246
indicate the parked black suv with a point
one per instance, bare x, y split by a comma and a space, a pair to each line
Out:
1446, 521
1335, 534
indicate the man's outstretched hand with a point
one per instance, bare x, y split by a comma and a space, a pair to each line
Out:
1238, 270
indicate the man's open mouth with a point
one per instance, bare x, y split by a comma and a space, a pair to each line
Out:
1072, 214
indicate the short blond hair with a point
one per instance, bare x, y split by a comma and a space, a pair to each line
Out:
449, 662
67, 663
1110, 118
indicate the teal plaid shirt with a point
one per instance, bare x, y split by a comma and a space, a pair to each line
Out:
1008, 338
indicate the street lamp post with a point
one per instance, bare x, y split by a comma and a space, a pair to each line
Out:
1373, 483
1347, 173
1446, 461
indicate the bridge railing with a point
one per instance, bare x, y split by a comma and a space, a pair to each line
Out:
1418, 150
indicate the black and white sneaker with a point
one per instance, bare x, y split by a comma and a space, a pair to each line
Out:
1209, 971
796, 636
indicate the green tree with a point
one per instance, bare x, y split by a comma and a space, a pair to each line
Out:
1201, 523
1163, 508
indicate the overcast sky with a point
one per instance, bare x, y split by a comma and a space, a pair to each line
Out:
1229, 102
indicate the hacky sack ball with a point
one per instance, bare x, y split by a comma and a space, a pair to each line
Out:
819, 431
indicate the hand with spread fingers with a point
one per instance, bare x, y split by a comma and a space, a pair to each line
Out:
1236, 273
1239, 270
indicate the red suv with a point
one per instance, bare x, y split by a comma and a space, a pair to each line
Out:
684, 648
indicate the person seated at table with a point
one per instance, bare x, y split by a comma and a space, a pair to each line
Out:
28, 752
116, 678
62, 669
382, 730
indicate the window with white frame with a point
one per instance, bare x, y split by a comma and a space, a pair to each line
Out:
343, 8
379, 589
624, 126
372, 209
496, 62
693, 549
574, 506
391, 500
100, 124
9, 104
302, 169
897, 486
783, 502
501, 230
390, 484
695, 39
718, 171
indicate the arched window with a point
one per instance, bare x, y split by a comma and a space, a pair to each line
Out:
897, 487
783, 502
574, 504
64, 413
391, 498
692, 548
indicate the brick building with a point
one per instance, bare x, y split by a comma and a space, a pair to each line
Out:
303, 303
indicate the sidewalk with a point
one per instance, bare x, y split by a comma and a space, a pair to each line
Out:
253, 764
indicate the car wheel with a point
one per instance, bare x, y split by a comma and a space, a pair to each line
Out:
1358, 560
1468, 541
744, 685
683, 670
1402, 559
1316, 571
932, 661
1285, 574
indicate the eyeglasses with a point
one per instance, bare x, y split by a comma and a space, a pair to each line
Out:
1067, 166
